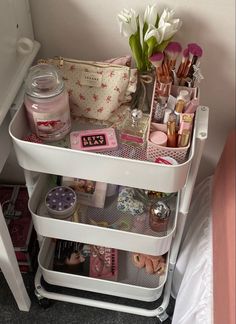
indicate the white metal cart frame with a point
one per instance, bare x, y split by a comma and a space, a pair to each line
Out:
32, 159
186, 195
185, 184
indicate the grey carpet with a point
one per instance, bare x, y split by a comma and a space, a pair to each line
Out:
68, 313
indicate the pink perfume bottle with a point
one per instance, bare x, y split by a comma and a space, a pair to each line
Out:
47, 103
159, 214
134, 128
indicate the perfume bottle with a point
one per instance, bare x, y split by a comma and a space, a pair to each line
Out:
134, 128
159, 215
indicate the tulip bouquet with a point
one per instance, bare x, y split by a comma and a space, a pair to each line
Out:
148, 33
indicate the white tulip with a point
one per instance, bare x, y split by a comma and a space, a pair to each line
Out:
150, 15
128, 22
167, 27
151, 31
141, 24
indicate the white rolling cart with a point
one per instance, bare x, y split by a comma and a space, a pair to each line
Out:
39, 160
46, 159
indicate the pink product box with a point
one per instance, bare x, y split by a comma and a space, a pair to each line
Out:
103, 263
89, 193
96, 140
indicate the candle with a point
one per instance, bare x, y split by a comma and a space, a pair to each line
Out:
47, 103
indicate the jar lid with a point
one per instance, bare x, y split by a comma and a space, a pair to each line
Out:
61, 201
183, 95
43, 81
160, 210
158, 137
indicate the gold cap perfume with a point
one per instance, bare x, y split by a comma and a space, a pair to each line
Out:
134, 128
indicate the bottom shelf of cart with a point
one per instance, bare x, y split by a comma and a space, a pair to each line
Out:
132, 282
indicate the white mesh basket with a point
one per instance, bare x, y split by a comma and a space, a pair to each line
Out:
154, 151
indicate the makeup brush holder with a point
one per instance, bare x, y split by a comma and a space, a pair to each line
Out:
180, 154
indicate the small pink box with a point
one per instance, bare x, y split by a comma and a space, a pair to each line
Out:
96, 140
103, 263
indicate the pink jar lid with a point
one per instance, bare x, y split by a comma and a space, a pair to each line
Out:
159, 138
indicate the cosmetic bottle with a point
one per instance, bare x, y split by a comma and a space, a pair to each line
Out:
181, 101
171, 131
167, 113
159, 110
134, 129
159, 214
47, 103
183, 138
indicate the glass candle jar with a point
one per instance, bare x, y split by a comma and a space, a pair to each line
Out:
47, 103
61, 202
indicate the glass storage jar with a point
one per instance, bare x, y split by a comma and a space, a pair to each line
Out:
47, 103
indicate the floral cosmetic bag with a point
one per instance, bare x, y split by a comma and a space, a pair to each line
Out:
96, 89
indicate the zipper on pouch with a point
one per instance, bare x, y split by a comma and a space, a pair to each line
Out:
61, 61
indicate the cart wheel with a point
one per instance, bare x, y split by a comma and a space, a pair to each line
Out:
166, 321
163, 318
44, 303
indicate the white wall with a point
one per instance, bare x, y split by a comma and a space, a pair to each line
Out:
89, 30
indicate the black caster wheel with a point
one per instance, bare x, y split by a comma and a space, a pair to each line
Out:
44, 303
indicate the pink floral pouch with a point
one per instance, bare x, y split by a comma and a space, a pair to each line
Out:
96, 89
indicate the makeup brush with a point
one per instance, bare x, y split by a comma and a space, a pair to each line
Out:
156, 60
183, 63
172, 52
195, 52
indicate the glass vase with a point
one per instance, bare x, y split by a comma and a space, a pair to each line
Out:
142, 98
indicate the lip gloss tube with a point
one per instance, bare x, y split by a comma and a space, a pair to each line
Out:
186, 122
183, 138
171, 134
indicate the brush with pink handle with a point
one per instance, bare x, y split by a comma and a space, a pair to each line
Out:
195, 52
183, 63
156, 59
162, 71
172, 52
